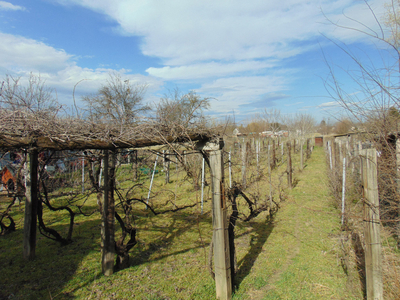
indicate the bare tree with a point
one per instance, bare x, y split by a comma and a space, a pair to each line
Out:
273, 119
301, 124
33, 104
34, 97
117, 101
183, 110
177, 111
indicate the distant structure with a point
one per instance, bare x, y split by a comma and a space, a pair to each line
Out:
284, 133
236, 132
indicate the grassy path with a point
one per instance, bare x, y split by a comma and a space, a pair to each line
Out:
298, 255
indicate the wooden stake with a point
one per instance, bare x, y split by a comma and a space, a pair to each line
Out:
222, 265
373, 259
135, 165
289, 166
274, 160
244, 163
166, 166
107, 234
31, 206
301, 154
83, 175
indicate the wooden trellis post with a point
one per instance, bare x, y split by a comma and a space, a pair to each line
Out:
273, 161
334, 151
135, 165
269, 175
289, 166
31, 205
166, 166
83, 175
308, 154
301, 154
222, 264
340, 151
244, 163
373, 259
108, 226
258, 158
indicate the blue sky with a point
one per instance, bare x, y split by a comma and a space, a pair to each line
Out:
247, 56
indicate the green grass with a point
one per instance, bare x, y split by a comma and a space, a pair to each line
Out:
294, 256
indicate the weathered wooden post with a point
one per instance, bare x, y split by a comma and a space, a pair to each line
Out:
274, 160
373, 259
244, 164
340, 151
166, 163
83, 175
301, 154
222, 264
258, 158
308, 151
108, 227
334, 154
31, 205
135, 165
289, 165
101, 171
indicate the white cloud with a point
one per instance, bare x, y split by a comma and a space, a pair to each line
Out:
19, 53
20, 56
188, 32
233, 92
327, 105
207, 70
9, 6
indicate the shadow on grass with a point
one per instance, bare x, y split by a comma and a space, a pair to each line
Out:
59, 272
360, 261
167, 234
259, 236
54, 266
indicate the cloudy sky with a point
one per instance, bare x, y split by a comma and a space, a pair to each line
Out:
246, 55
